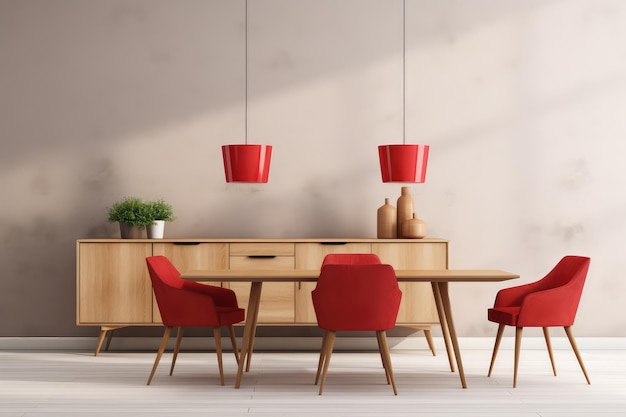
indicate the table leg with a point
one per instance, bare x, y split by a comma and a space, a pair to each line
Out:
253, 334
445, 298
249, 329
444, 324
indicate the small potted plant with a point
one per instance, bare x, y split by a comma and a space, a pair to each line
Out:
133, 215
160, 212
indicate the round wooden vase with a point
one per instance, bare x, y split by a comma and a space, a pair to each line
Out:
414, 228
405, 209
387, 226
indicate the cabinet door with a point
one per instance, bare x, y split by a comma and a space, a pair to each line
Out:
418, 303
277, 298
189, 256
113, 283
310, 256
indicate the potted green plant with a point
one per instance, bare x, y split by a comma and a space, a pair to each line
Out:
160, 212
133, 215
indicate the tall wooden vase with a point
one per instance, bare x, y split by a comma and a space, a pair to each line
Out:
387, 226
405, 209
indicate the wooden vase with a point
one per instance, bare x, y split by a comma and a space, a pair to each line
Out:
405, 209
414, 228
387, 226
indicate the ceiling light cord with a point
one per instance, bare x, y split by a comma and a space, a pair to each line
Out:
403, 72
246, 73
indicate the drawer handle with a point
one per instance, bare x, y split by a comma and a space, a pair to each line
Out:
187, 243
261, 256
333, 243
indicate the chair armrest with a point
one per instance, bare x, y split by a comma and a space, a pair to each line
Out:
222, 297
183, 307
551, 307
513, 296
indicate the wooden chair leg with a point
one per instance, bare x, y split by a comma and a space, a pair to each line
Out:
249, 355
546, 335
429, 339
572, 341
179, 338
382, 335
518, 344
496, 346
330, 342
233, 342
218, 351
382, 356
166, 336
320, 363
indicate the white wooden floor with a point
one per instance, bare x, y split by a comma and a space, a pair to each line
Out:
70, 383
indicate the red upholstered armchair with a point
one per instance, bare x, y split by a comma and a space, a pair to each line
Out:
351, 259
359, 298
551, 301
190, 304
366, 259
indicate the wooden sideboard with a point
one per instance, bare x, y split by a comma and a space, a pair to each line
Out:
113, 287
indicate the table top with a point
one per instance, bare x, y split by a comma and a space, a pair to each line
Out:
403, 275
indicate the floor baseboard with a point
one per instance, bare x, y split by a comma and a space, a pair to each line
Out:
303, 343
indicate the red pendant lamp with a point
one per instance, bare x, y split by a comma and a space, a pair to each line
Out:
402, 162
247, 162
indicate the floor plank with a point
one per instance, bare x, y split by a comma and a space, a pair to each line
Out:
69, 383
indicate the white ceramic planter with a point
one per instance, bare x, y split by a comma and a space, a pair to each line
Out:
156, 231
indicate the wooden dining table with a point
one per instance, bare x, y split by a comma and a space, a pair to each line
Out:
439, 280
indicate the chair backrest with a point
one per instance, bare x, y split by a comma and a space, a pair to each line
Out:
554, 299
162, 271
164, 277
179, 303
571, 270
357, 297
351, 259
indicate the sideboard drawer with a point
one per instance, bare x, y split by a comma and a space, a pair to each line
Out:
262, 248
262, 262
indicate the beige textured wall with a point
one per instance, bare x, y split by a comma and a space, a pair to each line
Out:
521, 102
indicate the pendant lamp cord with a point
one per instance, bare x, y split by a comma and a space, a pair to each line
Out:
403, 72
246, 71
